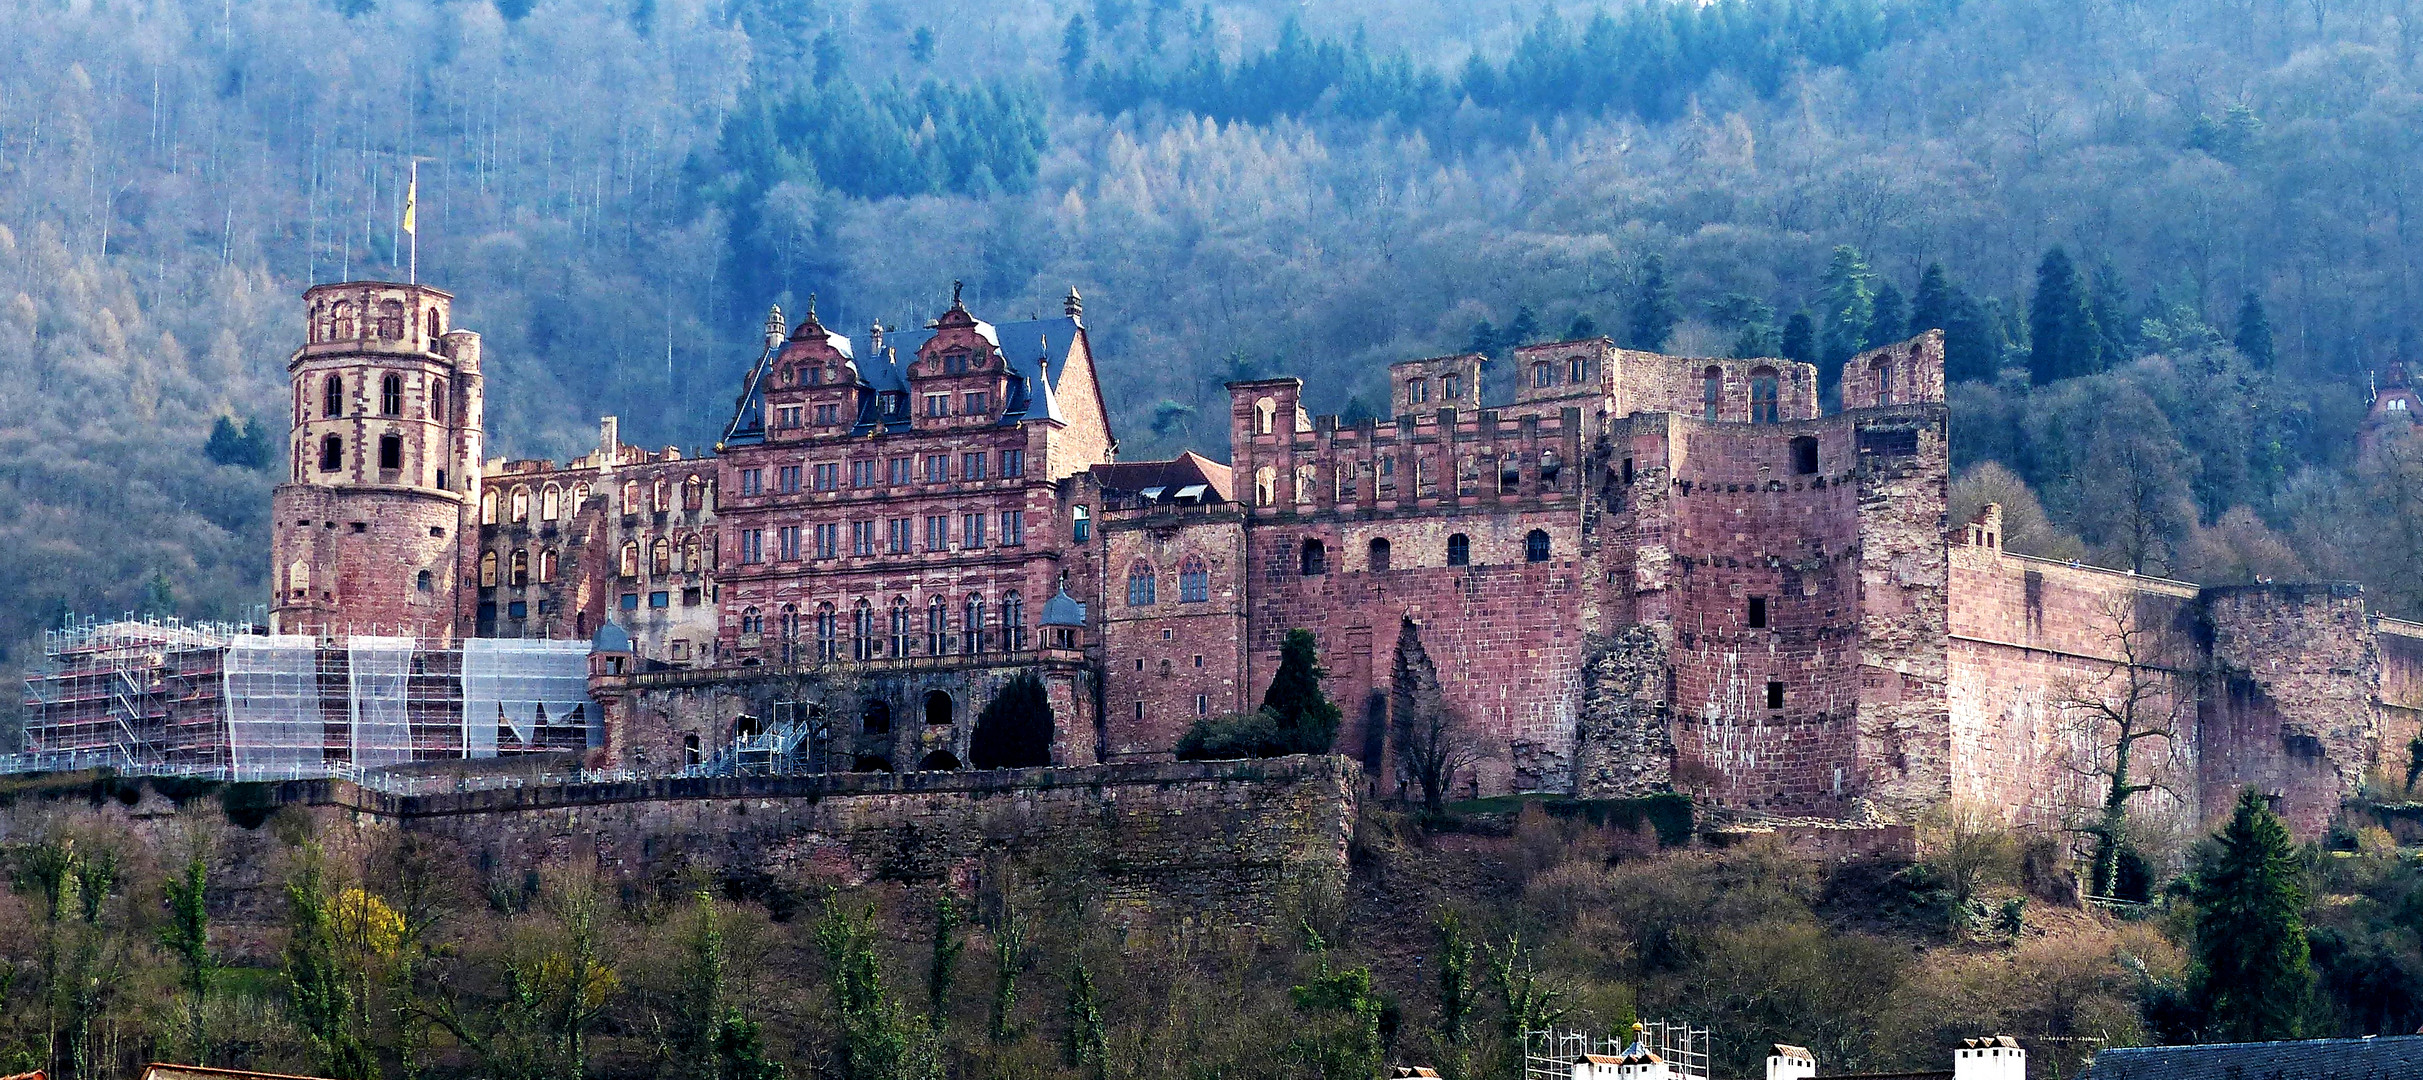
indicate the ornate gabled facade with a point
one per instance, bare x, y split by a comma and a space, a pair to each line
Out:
1641, 573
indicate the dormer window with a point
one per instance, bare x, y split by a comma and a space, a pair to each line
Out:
955, 364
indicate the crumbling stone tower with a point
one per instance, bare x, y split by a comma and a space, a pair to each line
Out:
368, 532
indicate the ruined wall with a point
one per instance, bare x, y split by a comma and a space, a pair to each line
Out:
2290, 709
2401, 693
1905, 746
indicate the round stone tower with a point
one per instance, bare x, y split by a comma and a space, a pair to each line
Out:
370, 530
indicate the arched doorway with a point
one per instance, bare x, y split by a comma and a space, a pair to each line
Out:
939, 761
878, 718
938, 709
871, 763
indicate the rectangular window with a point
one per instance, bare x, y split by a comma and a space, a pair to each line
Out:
788, 538
787, 416
1013, 464
937, 468
828, 476
1013, 527
938, 405
787, 478
862, 538
660, 599
828, 415
979, 403
1804, 455
862, 473
971, 466
1202, 705
828, 540
1758, 612
938, 533
752, 482
1417, 391
971, 531
896, 535
900, 469
690, 596
630, 601
752, 546
1775, 695
519, 609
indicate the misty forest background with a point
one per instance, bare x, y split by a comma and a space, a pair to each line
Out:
616, 189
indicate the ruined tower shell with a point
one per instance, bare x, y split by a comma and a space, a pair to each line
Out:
382, 468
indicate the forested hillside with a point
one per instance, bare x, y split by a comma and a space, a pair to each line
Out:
615, 190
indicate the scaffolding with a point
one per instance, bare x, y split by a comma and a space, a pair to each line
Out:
273, 693
1550, 1054
536, 688
379, 670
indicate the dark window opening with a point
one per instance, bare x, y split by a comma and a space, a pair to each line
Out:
1804, 455
1758, 612
1775, 695
1535, 546
1315, 559
689, 750
1379, 556
1764, 406
938, 761
422, 582
332, 453
1627, 470
391, 451
877, 720
938, 708
332, 397
1459, 550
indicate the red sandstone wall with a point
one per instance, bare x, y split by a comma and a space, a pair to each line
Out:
1167, 663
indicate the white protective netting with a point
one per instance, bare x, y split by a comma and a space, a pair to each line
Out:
273, 707
381, 669
516, 680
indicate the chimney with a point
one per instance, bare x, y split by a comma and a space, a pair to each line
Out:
609, 442
1996, 1057
1791, 1063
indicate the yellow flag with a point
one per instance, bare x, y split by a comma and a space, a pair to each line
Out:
412, 200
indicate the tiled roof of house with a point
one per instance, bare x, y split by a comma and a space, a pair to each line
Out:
2386, 1057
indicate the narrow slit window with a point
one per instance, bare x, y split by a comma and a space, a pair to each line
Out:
1758, 612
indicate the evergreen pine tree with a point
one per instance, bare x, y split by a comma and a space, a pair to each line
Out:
1524, 329
1886, 325
1800, 338
1652, 315
159, 595
2109, 303
2062, 339
236, 442
2253, 963
1485, 339
1850, 300
1931, 309
1584, 327
1307, 720
2254, 337
1015, 729
1075, 43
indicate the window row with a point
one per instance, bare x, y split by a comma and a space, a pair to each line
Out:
1312, 556
391, 454
890, 536
1577, 370
518, 568
552, 502
898, 471
939, 628
391, 397
689, 554
1347, 481
344, 320
1194, 582
1766, 386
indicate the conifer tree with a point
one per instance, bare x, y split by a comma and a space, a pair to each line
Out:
2062, 339
1850, 299
1306, 719
1075, 43
1584, 327
1652, 315
1931, 308
1886, 326
1800, 338
2253, 964
2109, 303
2254, 337
1524, 329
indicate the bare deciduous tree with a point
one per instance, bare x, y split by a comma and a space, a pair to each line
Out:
1433, 741
2131, 697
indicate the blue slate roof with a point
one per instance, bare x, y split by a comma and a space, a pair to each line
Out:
2381, 1057
1062, 610
1024, 345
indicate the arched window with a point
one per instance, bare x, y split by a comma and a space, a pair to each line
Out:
391, 320
1884, 380
488, 508
488, 570
391, 452
520, 572
546, 565
423, 581
1140, 585
863, 643
1535, 546
630, 496
332, 453
1194, 580
1013, 621
1313, 558
1763, 403
630, 565
1711, 392
437, 399
788, 624
550, 502
937, 630
1459, 550
1266, 413
298, 577
657, 497
660, 557
752, 621
332, 396
391, 395
828, 632
900, 626
938, 761
580, 494
1266, 486
877, 720
342, 315
1378, 559
937, 708
521, 504
971, 625
1543, 374
689, 554
1306, 477
437, 326
693, 493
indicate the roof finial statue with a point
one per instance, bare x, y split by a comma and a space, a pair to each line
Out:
875, 337
811, 305
1072, 305
774, 326
954, 292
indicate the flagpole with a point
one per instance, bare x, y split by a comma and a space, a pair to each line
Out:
412, 199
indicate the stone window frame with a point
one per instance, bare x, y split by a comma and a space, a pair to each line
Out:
1536, 546
630, 559
1141, 586
1459, 549
1194, 580
487, 570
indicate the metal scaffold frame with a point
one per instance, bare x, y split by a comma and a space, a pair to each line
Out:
1550, 1054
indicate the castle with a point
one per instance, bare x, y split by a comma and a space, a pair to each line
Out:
1642, 573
